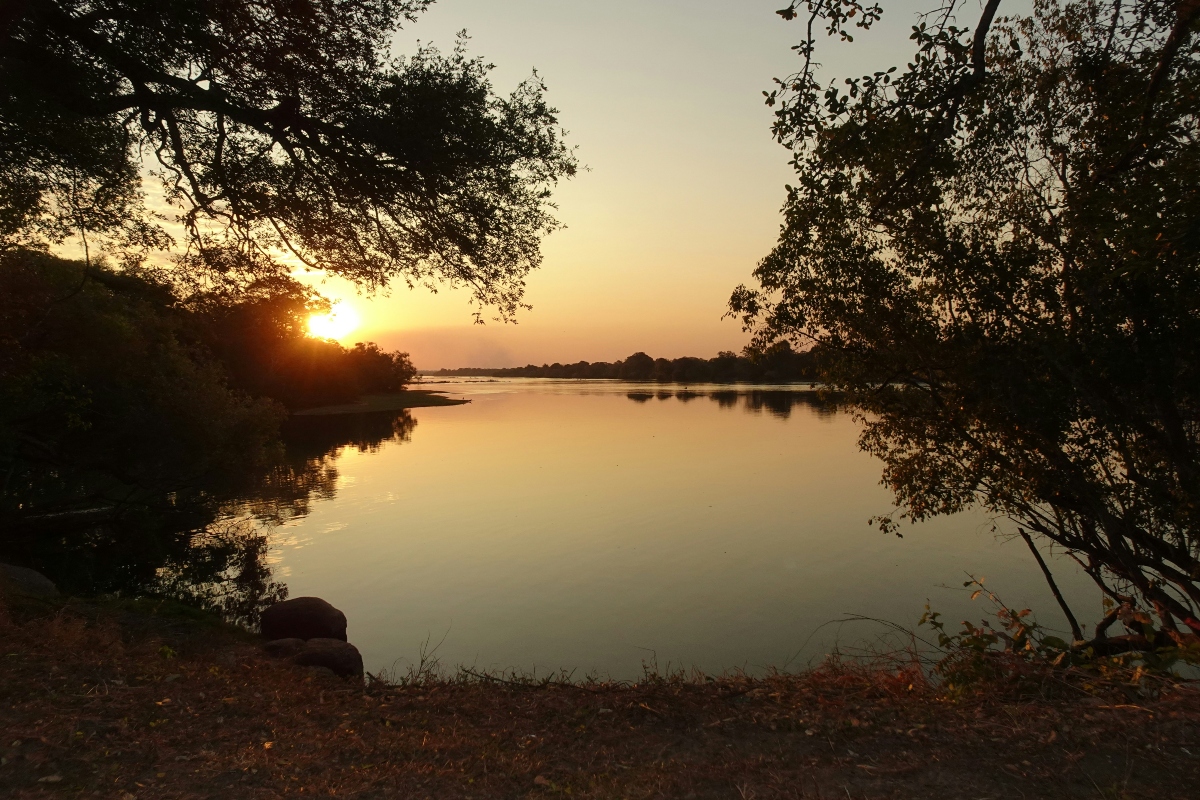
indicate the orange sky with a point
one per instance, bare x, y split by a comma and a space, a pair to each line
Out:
664, 100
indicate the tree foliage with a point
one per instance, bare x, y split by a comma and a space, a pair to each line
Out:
260, 336
107, 397
115, 393
777, 364
275, 128
997, 246
140, 434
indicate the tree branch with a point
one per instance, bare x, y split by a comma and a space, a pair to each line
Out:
1076, 631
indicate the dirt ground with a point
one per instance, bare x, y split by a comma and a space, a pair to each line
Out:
126, 702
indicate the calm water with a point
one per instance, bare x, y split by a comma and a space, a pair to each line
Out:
596, 525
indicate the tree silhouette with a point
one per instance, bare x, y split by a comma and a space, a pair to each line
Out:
997, 249
274, 127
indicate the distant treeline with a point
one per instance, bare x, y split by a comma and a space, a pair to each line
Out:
778, 364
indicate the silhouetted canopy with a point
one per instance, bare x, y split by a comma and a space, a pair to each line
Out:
997, 249
274, 127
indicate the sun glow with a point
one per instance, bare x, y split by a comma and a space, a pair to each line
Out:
340, 321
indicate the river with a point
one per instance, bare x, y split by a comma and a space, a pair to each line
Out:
597, 526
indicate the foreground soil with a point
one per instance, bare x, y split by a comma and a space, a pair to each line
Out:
133, 702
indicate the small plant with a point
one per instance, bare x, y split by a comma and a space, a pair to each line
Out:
1018, 648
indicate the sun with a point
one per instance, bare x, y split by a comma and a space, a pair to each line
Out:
339, 322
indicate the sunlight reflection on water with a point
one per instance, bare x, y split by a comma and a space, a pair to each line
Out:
593, 525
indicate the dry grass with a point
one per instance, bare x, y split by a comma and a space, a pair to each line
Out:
119, 702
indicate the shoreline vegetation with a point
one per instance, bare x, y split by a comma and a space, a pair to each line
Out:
147, 698
778, 363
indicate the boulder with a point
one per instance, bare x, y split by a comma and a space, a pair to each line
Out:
322, 672
334, 654
26, 581
283, 648
303, 618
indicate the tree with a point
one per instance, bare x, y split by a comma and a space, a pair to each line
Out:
129, 459
274, 128
997, 249
638, 367
103, 395
260, 336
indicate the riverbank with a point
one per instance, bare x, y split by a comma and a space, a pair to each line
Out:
409, 398
151, 700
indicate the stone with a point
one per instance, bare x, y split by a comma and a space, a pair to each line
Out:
26, 581
284, 648
321, 672
303, 618
341, 657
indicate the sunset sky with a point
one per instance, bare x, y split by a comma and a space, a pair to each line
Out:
663, 99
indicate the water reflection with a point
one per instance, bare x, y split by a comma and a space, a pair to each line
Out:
776, 402
319, 436
556, 523
210, 545
189, 552
224, 564
781, 403
227, 566
587, 524
725, 398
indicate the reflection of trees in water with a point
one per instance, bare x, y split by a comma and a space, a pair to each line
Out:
780, 403
308, 471
322, 435
211, 551
776, 402
191, 555
725, 398
226, 567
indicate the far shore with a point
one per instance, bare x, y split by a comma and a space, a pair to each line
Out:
409, 398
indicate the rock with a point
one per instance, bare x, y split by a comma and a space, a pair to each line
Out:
341, 657
321, 672
303, 618
26, 581
284, 648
